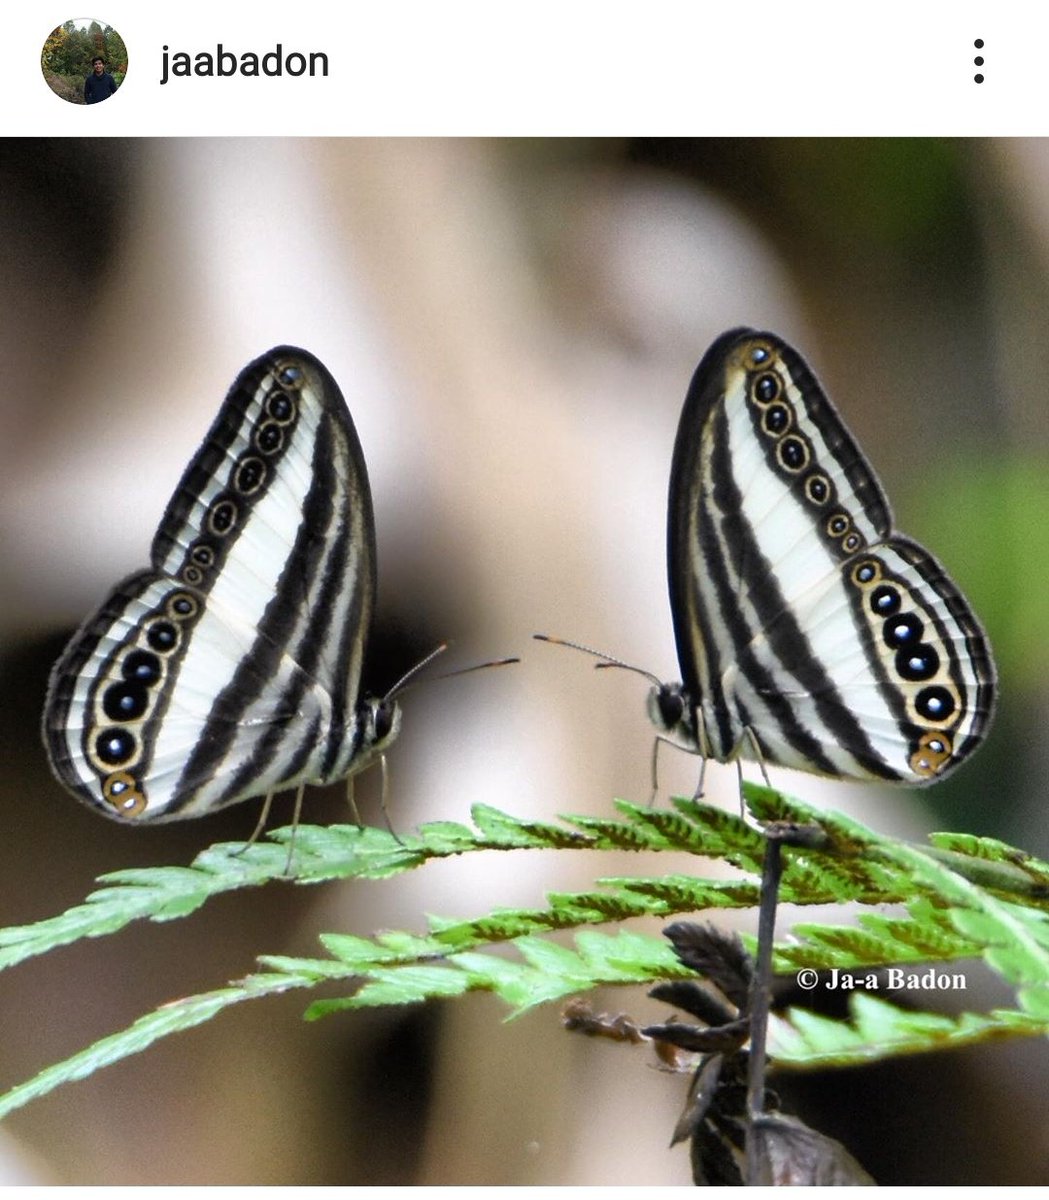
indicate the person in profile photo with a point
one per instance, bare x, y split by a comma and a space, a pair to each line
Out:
99, 85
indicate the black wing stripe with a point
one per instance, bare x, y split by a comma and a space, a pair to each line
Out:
787, 640
306, 563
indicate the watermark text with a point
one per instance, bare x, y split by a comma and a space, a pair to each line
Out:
888, 979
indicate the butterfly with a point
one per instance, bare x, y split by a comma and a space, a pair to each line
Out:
809, 632
231, 667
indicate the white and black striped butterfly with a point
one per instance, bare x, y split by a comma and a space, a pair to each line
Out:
231, 667
805, 625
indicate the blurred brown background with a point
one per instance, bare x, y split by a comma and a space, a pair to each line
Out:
514, 324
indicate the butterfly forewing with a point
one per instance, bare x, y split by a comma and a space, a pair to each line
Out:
801, 618
232, 668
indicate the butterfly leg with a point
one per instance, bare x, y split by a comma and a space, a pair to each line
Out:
352, 801
382, 799
655, 771
739, 776
260, 825
702, 750
296, 814
759, 757
698, 793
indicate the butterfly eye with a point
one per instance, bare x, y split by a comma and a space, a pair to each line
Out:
385, 716
671, 705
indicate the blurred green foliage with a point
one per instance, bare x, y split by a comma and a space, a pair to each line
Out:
988, 519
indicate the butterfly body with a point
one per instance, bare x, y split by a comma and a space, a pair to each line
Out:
808, 630
231, 668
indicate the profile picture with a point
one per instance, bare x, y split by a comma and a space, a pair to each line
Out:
84, 61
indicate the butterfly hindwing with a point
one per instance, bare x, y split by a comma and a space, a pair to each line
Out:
802, 619
232, 668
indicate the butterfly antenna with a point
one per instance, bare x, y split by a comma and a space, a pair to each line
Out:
495, 662
607, 660
405, 683
401, 685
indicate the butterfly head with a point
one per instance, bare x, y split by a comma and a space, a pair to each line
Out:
671, 711
378, 724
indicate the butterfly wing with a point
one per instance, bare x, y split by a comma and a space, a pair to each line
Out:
799, 614
232, 667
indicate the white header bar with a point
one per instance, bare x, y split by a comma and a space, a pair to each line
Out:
545, 67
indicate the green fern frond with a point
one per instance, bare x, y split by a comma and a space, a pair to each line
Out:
876, 940
878, 1030
962, 898
325, 853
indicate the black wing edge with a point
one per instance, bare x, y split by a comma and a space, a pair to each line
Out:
705, 390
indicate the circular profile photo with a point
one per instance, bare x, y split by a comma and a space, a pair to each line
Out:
84, 60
